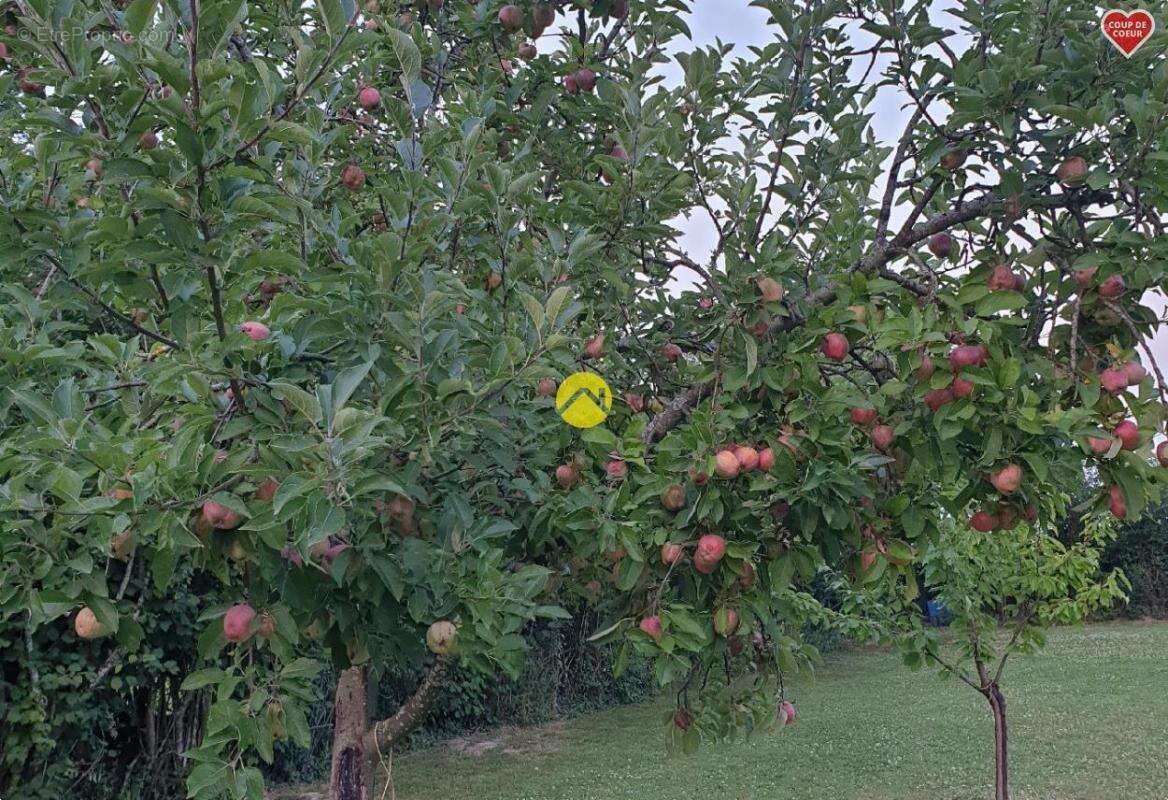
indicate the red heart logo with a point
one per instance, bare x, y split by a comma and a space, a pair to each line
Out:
1128, 31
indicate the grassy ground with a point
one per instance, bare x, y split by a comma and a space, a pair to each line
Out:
1089, 721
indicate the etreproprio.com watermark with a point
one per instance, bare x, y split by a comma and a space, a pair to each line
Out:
66, 35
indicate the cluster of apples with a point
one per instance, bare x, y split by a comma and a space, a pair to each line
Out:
882, 435
1007, 480
740, 458
960, 357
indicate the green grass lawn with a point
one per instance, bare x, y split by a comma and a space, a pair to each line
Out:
1089, 719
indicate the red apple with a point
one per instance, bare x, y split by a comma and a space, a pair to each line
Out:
511, 17
353, 177
1072, 172
941, 245
926, 369
1113, 380
1128, 435
961, 388
1085, 277
983, 521
616, 469
1118, 504
766, 459
770, 290
594, 348
566, 475
652, 627
1099, 445
938, 397
1135, 372
585, 79
636, 402
527, 51
86, 626
968, 355
237, 623
256, 331
1162, 454
1007, 479
673, 498
711, 547
862, 415
1003, 279
148, 140
368, 98
725, 621
546, 387
835, 346
220, 516
671, 553
747, 458
726, 464
267, 490
786, 713
1112, 287
883, 436
670, 352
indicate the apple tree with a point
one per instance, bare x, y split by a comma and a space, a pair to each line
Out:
294, 286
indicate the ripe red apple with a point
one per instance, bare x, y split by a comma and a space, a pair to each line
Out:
1072, 172
927, 368
256, 331
1162, 454
546, 387
705, 302
747, 458
883, 436
511, 17
941, 245
725, 621
267, 490
148, 140
543, 15
440, 637
747, 578
1118, 504
566, 475
527, 51
862, 415
220, 516
983, 521
237, 623
1112, 288
786, 713
867, 559
683, 719
1007, 479
594, 347
961, 388
86, 626
290, 554
1135, 372
1099, 445
353, 177
1085, 277
585, 79
570, 85
1128, 434
616, 469
671, 553
938, 397
673, 498
770, 290
636, 402
1004, 279
766, 459
968, 355
368, 98
671, 352
618, 153
1113, 380
726, 464
699, 477
835, 346
651, 626
711, 547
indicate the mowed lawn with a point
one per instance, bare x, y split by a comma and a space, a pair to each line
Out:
1089, 719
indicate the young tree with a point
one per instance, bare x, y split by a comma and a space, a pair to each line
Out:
1003, 592
292, 284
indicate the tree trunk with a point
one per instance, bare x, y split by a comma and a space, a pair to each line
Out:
355, 741
1001, 763
351, 766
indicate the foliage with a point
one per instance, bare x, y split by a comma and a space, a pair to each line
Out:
1140, 550
222, 271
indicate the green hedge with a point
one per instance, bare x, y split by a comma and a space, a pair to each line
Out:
1141, 551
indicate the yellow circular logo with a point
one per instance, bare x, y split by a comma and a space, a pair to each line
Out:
584, 400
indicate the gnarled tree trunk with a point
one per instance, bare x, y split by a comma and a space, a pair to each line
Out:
351, 765
355, 742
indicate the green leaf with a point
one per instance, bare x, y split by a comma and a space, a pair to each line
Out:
409, 58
